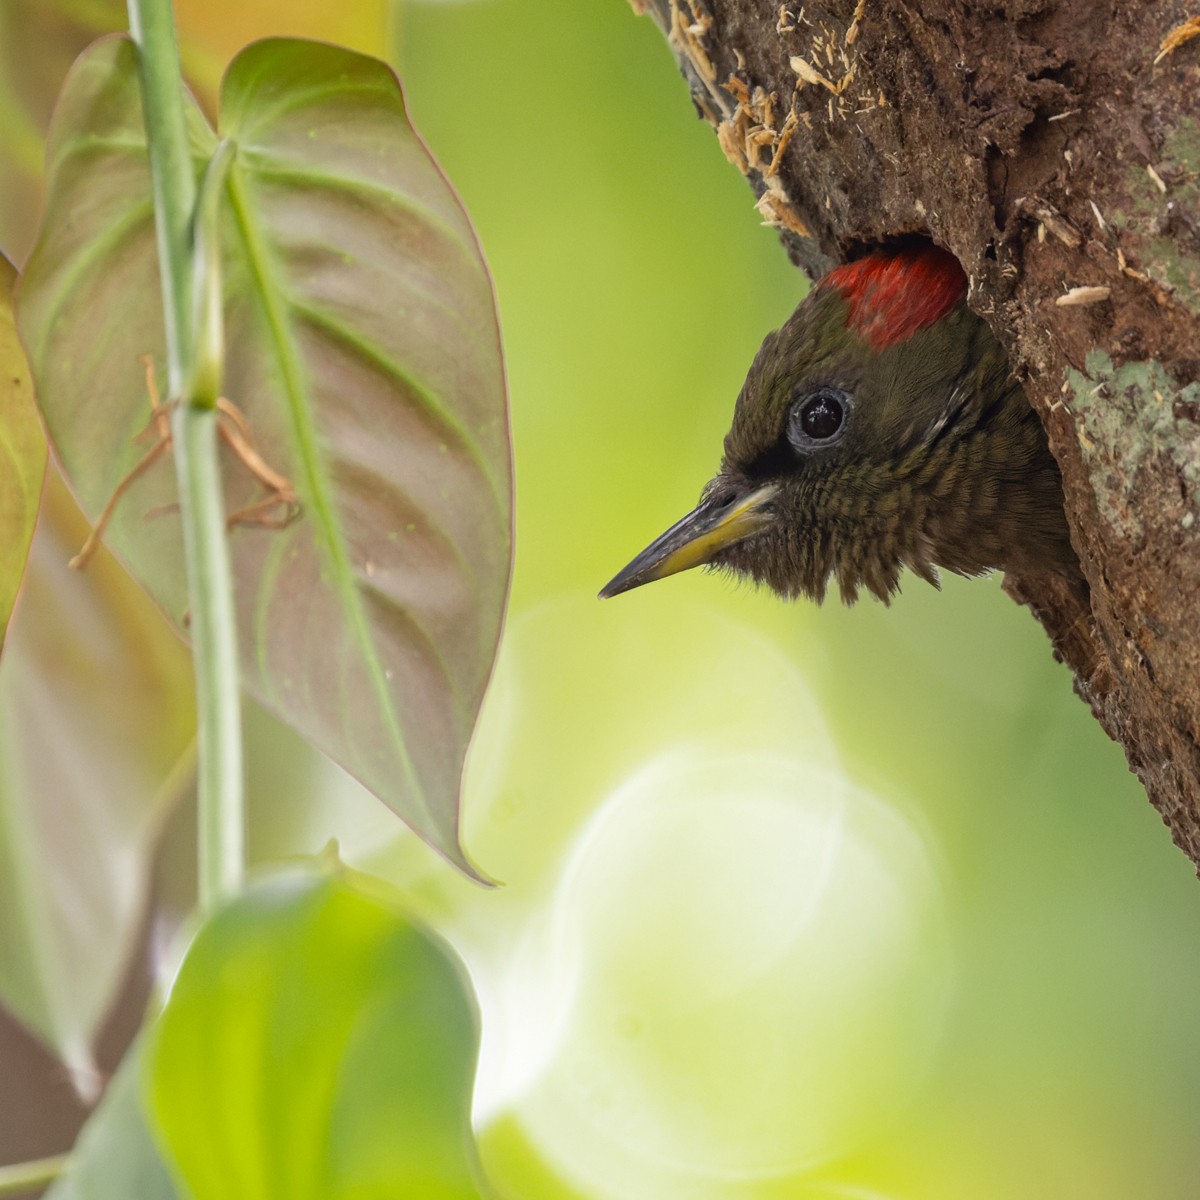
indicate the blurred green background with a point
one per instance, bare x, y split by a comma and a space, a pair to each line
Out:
800, 902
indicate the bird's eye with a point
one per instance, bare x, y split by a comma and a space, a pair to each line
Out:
817, 418
821, 418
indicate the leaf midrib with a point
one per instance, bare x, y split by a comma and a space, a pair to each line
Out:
317, 487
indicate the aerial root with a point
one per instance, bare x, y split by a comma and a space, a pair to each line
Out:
275, 511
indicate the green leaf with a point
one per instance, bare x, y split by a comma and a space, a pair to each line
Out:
115, 1157
363, 350
39, 39
22, 453
316, 1045
96, 725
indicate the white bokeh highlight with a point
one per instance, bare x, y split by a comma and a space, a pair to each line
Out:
752, 969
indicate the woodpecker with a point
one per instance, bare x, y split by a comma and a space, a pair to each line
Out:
880, 428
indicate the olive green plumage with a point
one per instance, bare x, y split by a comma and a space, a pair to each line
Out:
942, 462
880, 428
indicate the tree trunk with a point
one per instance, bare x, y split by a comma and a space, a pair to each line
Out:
1054, 147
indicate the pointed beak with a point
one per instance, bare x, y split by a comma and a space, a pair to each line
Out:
720, 520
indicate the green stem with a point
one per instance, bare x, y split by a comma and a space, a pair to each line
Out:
152, 24
214, 643
29, 1176
194, 430
208, 352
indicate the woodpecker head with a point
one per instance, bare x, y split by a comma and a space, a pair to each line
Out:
879, 428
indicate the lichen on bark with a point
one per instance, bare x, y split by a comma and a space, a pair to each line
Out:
1131, 419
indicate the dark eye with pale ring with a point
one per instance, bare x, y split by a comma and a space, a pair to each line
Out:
817, 418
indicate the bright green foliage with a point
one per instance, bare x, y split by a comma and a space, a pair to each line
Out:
39, 39
316, 1045
363, 351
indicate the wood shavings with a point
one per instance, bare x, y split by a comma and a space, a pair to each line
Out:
831, 63
762, 106
1060, 404
757, 141
1079, 297
688, 26
1126, 269
1062, 229
734, 146
745, 115
785, 136
1161, 296
808, 72
776, 210
1056, 224
790, 22
1156, 178
749, 137
856, 23
685, 35
1183, 32
738, 90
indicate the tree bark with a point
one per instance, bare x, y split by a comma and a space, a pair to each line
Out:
1054, 147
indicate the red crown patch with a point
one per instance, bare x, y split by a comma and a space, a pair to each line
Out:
893, 296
